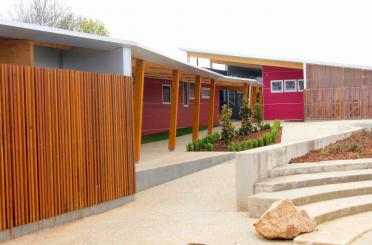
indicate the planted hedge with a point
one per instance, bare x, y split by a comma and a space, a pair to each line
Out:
204, 144
264, 140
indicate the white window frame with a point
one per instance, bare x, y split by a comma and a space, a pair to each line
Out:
271, 86
162, 94
285, 87
205, 96
187, 84
298, 85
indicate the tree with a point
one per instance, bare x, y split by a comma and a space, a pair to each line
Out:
245, 113
52, 13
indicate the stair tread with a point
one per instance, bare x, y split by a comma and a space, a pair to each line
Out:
313, 190
322, 166
340, 231
313, 176
324, 207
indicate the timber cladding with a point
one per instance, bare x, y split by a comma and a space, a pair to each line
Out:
66, 142
337, 93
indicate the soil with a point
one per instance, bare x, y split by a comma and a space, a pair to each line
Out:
359, 145
222, 146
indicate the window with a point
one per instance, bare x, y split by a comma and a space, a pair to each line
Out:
185, 94
290, 85
206, 92
166, 93
300, 85
192, 90
276, 86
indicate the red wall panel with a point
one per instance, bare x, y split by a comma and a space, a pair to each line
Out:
285, 105
155, 117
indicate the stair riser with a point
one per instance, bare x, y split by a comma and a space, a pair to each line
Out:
308, 183
257, 206
343, 212
309, 170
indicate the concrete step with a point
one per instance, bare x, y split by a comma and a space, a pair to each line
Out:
314, 179
260, 202
332, 209
320, 167
341, 231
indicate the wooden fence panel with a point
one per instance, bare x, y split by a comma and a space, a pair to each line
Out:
65, 142
337, 93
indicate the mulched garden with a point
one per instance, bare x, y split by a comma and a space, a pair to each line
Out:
221, 145
359, 145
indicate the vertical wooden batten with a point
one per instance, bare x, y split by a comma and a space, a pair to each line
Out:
174, 110
195, 125
245, 91
254, 96
211, 106
138, 106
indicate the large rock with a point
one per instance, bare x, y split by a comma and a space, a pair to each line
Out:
284, 221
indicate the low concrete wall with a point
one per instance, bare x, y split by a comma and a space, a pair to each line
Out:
254, 165
64, 218
148, 178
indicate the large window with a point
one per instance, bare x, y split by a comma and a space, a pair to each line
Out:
185, 94
276, 86
166, 93
301, 85
206, 93
192, 90
290, 85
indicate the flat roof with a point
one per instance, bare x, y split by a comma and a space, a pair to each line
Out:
19, 30
279, 59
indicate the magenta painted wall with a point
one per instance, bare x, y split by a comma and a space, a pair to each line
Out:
285, 105
155, 117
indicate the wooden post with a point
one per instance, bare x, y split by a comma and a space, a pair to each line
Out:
254, 96
138, 106
260, 100
173, 111
211, 107
245, 91
195, 124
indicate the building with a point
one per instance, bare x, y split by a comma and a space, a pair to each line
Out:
299, 89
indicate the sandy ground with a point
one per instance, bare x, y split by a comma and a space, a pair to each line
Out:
199, 208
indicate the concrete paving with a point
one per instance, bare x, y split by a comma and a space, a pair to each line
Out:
198, 208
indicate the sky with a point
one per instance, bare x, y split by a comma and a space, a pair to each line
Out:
336, 31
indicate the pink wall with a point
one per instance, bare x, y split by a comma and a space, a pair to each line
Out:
285, 105
156, 114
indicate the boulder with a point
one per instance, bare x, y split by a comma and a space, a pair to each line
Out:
284, 221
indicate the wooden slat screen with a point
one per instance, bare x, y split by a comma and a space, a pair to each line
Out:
337, 93
66, 142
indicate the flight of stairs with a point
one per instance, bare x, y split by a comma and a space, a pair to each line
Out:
335, 193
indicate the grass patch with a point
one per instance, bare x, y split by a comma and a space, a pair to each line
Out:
165, 135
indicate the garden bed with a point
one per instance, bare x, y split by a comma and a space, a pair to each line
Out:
359, 145
221, 145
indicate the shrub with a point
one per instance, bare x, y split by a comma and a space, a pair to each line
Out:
354, 147
190, 146
228, 131
245, 113
256, 117
334, 149
323, 153
266, 126
205, 143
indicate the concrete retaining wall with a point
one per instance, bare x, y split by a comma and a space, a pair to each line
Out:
254, 165
148, 178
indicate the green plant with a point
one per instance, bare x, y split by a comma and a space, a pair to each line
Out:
323, 153
209, 147
334, 149
266, 126
257, 115
228, 130
245, 113
354, 147
190, 146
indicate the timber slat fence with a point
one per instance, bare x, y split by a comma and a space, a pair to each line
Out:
334, 92
66, 142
